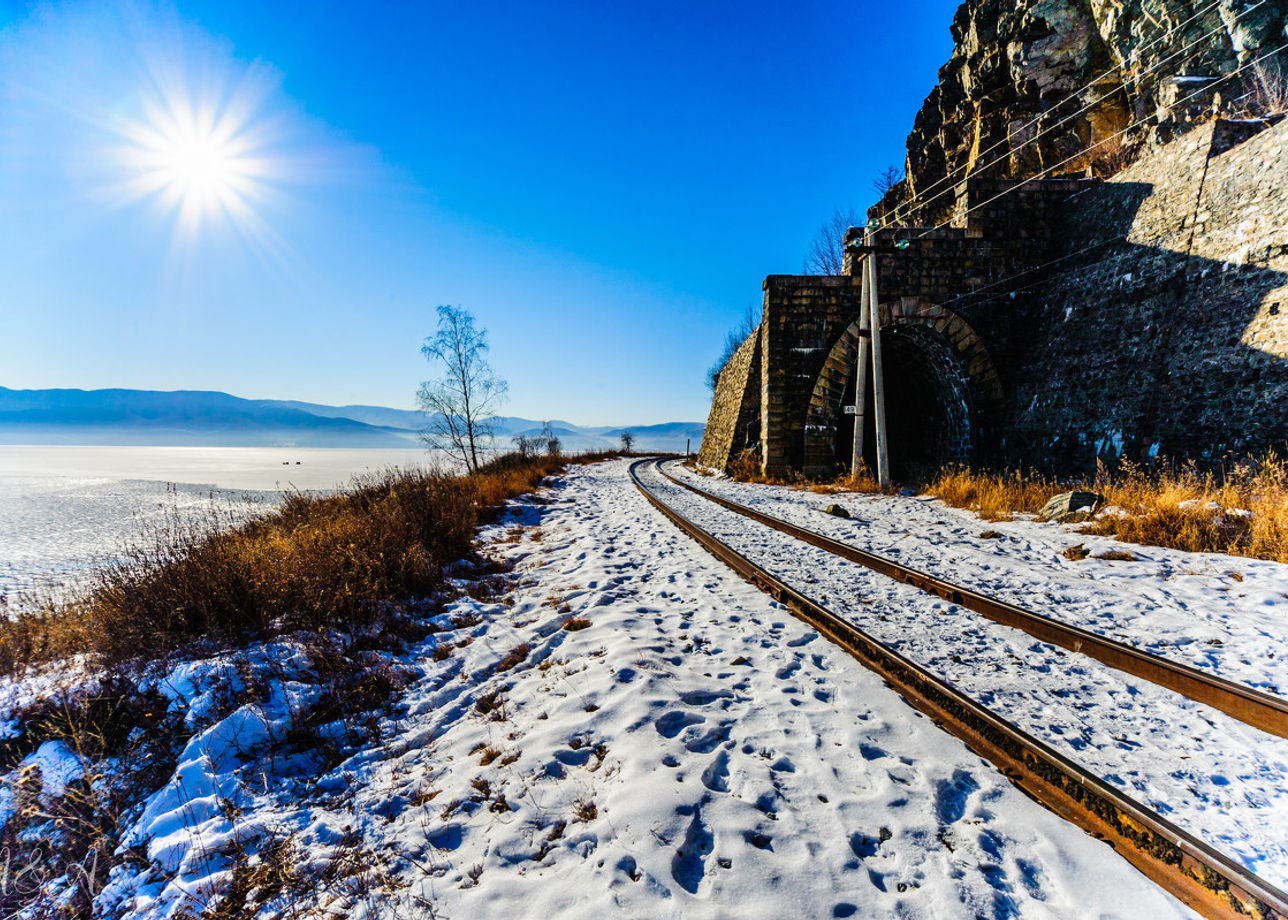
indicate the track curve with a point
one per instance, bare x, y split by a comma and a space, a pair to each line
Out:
1184, 865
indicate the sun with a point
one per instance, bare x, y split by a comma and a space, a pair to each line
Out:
201, 161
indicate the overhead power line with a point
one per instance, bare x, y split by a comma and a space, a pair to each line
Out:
906, 208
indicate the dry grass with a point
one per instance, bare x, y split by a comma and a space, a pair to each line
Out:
994, 496
317, 563
1242, 510
863, 481
514, 658
573, 624
745, 467
585, 810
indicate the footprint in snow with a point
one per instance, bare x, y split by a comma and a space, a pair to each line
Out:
716, 776
675, 721
951, 796
871, 751
572, 758
688, 866
447, 837
710, 740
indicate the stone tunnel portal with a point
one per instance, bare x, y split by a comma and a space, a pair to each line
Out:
928, 406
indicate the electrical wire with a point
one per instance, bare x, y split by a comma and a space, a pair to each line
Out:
1137, 123
907, 207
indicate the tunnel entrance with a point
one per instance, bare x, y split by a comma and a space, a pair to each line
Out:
928, 406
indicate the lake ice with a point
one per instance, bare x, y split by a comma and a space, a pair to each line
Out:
64, 510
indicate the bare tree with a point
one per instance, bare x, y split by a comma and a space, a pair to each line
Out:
1267, 92
887, 179
628, 441
826, 254
550, 439
749, 323
527, 445
462, 403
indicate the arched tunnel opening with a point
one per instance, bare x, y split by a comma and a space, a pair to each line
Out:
928, 407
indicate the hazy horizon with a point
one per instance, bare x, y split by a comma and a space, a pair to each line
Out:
272, 199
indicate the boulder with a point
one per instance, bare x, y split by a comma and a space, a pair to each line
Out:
1067, 504
836, 511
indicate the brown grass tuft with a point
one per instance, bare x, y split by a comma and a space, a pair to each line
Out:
516, 657
1243, 510
585, 810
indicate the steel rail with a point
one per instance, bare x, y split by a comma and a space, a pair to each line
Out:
1191, 870
1262, 710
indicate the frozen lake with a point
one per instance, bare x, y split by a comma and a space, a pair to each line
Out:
64, 510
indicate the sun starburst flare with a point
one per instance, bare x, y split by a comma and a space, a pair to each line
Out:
201, 161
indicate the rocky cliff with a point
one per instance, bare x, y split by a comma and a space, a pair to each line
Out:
1032, 84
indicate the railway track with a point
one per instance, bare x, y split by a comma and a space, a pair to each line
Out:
1196, 873
1261, 710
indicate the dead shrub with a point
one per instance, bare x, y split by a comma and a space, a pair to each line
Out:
573, 624
1240, 509
1265, 92
317, 562
744, 466
489, 703
516, 657
585, 810
993, 496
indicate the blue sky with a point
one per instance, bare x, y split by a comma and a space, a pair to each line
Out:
604, 185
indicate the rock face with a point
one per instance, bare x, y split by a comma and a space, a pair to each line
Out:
1032, 83
1041, 317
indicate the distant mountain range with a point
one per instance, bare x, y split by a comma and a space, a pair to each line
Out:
209, 418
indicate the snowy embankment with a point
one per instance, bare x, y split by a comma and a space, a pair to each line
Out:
692, 750
1214, 776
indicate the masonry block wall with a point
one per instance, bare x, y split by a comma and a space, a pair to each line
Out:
1061, 322
734, 423
1166, 333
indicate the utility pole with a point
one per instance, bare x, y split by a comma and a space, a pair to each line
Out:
861, 374
878, 383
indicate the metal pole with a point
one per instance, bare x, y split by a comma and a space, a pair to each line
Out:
878, 383
861, 374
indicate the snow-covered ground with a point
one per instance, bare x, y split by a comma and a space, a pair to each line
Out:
1220, 613
1221, 780
694, 751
